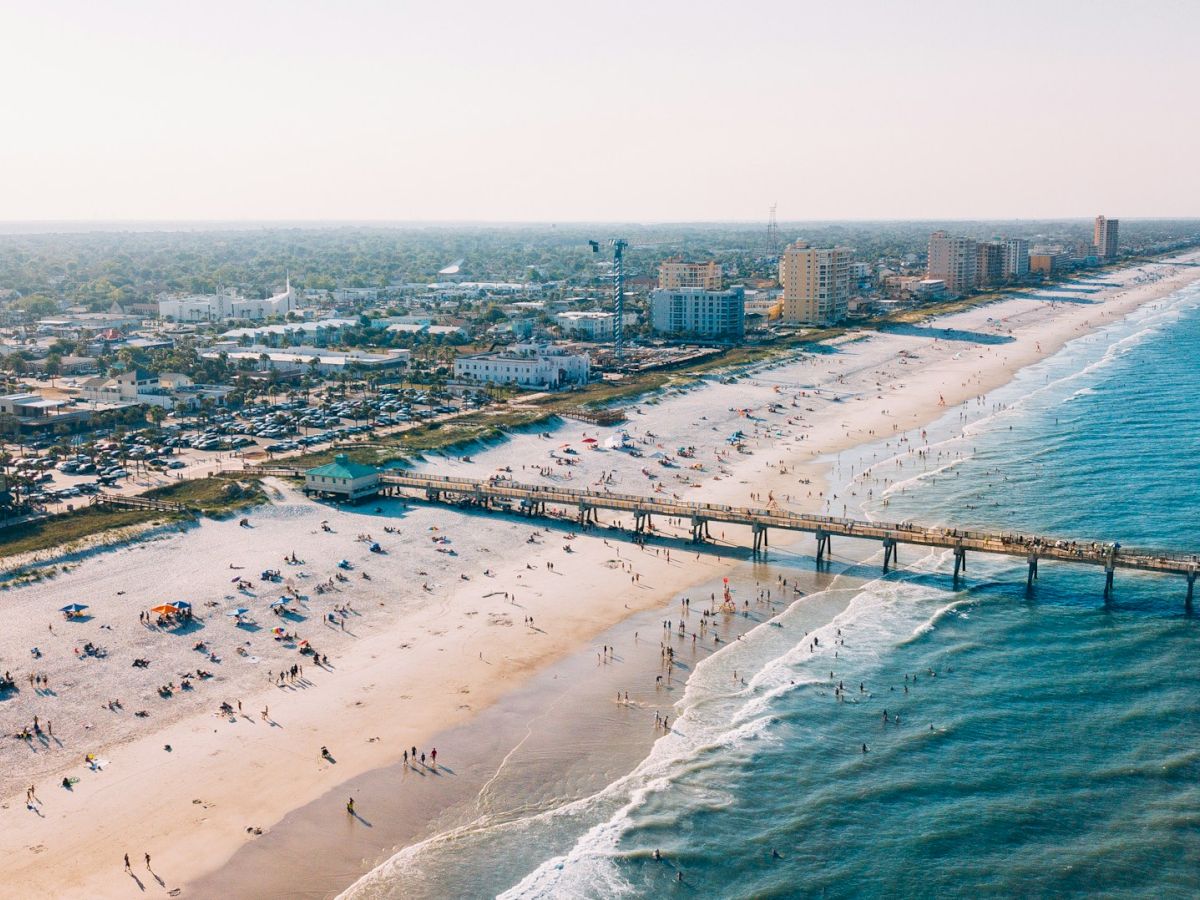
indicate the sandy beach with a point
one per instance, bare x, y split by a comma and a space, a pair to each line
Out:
457, 636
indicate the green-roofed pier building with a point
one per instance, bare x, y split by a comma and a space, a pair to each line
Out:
342, 480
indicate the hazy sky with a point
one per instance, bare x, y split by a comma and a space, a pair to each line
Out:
567, 110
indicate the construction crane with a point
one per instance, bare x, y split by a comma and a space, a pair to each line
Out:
618, 245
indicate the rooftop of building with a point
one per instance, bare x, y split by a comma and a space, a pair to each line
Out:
342, 467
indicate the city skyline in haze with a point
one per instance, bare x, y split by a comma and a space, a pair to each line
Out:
543, 112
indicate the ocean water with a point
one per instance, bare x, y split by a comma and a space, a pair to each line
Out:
1048, 743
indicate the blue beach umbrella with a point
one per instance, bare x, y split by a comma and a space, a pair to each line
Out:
240, 611
182, 604
74, 607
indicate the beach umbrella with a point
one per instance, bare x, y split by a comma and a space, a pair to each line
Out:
589, 440
164, 609
240, 611
183, 604
304, 643
278, 632
282, 601
74, 607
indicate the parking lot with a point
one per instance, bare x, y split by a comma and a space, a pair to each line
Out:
65, 474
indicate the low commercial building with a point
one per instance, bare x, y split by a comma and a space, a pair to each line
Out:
446, 332
762, 309
1048, 262
590, 325
325, 362
32, 412
169, 390
318, 333
929, 289
67, 365
356, 295
527, 366
342, 479
695, 312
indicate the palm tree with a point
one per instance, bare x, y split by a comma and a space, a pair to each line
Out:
11, 425
156, 414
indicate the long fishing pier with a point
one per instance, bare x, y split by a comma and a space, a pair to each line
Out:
534, 500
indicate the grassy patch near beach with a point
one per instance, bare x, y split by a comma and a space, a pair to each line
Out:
67, 528
214, 497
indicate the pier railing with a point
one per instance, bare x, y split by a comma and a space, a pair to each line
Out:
534, 499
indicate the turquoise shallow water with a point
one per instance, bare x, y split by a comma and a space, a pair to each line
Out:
1064, 753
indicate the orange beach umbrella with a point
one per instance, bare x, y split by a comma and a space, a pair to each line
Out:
165, 609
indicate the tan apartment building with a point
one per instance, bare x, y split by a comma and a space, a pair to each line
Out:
675, 274
816, 284
955, 261
1047, 262
1104, 237
989, 262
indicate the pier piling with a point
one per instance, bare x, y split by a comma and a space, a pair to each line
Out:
760, 537
889, 553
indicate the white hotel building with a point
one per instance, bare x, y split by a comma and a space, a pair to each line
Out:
226, 307
526, 365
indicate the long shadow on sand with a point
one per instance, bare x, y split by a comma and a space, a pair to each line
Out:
607, 531
1050, 296
946, 334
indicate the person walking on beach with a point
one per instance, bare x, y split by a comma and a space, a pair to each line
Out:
148, 869
128, 868
350, 806
433, 756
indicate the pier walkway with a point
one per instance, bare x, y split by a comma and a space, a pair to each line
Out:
133, 501
536, 500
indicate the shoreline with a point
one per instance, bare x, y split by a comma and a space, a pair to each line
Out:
858, 419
